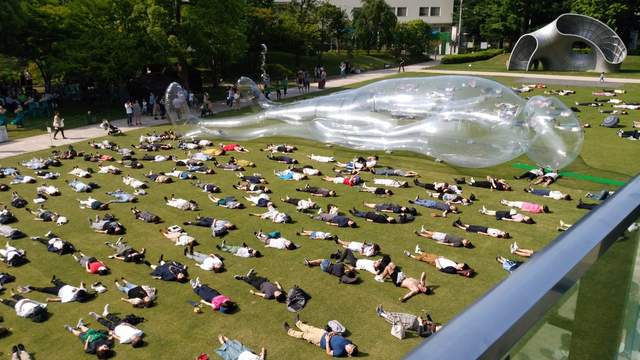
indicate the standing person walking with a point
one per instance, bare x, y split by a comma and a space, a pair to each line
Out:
602, 77
58, 125
401, 65
137, 113
128, 108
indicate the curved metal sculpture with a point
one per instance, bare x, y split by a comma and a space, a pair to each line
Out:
465, 121
552, 46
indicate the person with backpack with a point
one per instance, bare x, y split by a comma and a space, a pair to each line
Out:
333, 344
27, 308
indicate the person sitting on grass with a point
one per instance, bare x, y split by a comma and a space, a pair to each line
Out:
441, 263
62, 292
399, 279
95, 341
260, 200
145, 216
362, 248
206, 187
547, 179
275, 240
122, 197
125, 252
108, 225
444, 238
317, 235
282, 159
93, 204
515, 249
510, 215
343, 271
393, 172
491, 183
12, 256
229, 202
243, 251
375, 190
423, 327
391, 183
482, 230
317, 191
43, 214
55, 244
392, 208
274, 215
349, 180
27, 308
531, 174
206, 262
177, 235
182, 204
140, 296
552, 194
332, 217
169, 271
212, 297
268, 290
333, 344
91, 264
234, 350
454, 198
119, 329
526, 206
436, 205
301, 204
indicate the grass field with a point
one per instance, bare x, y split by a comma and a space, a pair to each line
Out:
174, 332
630, 68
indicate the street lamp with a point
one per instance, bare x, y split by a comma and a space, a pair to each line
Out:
460, 27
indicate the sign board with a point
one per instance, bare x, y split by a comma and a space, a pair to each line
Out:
4, 136
484, 45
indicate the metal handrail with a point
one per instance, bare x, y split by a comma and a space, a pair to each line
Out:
493, 325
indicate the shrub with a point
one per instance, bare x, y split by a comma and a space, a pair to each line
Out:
471, 57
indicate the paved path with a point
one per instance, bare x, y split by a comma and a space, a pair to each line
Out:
591, 79
84, 133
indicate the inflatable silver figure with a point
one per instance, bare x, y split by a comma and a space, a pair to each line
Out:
465, 121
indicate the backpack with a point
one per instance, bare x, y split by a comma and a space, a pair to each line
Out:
610, 121
19, 203
6, 278
39, 314
336, 327
297, 299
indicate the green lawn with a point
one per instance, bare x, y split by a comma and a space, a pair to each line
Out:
630, 68
175, 332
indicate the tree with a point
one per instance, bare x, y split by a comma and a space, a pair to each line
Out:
332, 22
373, 24
412, 37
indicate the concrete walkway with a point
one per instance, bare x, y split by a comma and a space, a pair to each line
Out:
85, 133
590, 79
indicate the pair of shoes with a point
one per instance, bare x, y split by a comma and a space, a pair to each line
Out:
238, 277
286, 326
406, 253
513, 248
306, 262
379, 310
417, 250
251, 272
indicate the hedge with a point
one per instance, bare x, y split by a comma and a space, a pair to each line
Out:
470, 57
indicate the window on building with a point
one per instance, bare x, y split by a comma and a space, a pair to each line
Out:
401, 11
424, 11
435, 11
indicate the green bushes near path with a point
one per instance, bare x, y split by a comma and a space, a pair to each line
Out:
471, 57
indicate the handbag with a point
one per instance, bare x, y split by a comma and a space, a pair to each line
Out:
397, 330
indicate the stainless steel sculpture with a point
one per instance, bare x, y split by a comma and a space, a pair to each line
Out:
552, 46
465, 121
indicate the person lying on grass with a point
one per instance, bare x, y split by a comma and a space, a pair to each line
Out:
94, 204
108, 225
169, 271
79, 186
133, 182
12, 256
260, 200
124, 252
375, 190
387, 171
91, 264
219, 227
526, 206
322, 159
281, 148
95, 341
547, 179
62, 292
251, 187
119, 329
332, 217
243, 251
122, 197
234, 350
159, 178
317, 191
282, 159
317, 235
212, 297
206, 262
399, 279
50, 190
182, 204
491, 183
253, 179
349, 180
301, 204
375, 267
392, 208
482, 230
206, 187
275, 240
177, 235
306, 169
391, 183
140, 296
422, 327
511, 215
233, 147
441, 263
515, 249
27, 308
145, 216
6, 216
267, 290
452, 198
552, 194
441, 187
334, 345
436, 205
444, 238
531, 174
274, 215
380, 218
362, 248
359, 163
343, 271
289, 175
42, 214
55, 244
